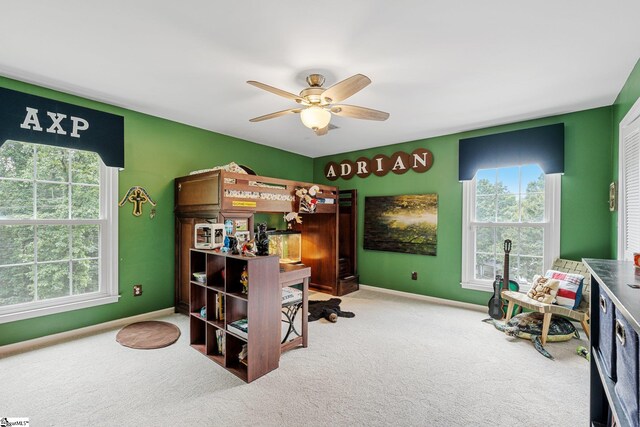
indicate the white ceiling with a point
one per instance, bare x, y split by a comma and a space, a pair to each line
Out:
437, 67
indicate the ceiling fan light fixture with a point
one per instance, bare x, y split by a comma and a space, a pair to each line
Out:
315, 117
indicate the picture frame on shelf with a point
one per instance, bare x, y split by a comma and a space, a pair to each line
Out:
242, 225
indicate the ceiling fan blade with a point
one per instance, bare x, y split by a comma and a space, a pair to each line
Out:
322, 131
344, 89
276, 114
359, 112
277, 91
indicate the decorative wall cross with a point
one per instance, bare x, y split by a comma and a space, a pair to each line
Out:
137, 195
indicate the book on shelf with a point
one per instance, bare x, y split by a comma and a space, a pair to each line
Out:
242, 356
239, 327
219, 307
220, 342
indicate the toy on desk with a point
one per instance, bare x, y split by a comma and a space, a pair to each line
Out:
308, 201
248, 248
292, 216
244, 280
262, 241
225, 246
208, 236
233, 245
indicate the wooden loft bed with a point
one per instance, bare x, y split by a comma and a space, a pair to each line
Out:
218, 195
227, 191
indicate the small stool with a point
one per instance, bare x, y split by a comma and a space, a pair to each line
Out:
291, 304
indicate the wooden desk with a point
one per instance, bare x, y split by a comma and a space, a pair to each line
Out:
291, 274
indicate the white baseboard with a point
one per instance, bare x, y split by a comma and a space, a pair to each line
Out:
75, 333
443, 301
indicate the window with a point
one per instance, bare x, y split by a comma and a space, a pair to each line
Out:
629, 179
58, 230
520, 203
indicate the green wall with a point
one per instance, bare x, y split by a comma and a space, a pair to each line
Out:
626, 98
156, 151
586, 224
159, 150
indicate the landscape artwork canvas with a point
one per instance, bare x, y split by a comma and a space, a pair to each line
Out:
407, 224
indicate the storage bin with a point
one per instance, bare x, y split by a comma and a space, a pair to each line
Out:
627, 360
606, 344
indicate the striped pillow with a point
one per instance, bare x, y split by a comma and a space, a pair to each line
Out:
570, 290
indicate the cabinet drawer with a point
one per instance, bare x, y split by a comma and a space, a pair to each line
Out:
606, 345
627, 360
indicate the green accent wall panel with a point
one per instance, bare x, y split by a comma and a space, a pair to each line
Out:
585, 221
626, 98
156, 151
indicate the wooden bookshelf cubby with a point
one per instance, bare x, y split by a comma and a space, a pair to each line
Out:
260, 306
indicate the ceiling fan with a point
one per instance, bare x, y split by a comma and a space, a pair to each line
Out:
318, 103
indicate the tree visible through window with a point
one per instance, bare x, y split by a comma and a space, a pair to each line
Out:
508, 203
50, 223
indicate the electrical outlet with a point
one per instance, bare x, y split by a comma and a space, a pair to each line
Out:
414, 275
137, 290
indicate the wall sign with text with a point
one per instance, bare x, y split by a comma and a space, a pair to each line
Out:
39, 120
420, 160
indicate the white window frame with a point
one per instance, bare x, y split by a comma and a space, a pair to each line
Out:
630, 119
108, 255
551, 226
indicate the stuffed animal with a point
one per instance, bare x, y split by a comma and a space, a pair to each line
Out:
329, 309
543, 289
262, 240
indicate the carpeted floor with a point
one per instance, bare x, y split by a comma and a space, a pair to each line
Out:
399, 362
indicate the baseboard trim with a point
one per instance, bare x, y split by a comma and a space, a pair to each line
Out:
436, 300
22, 346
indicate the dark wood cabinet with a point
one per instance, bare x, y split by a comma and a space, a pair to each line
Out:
198, 193
184, 242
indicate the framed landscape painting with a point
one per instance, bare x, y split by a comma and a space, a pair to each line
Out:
407, 224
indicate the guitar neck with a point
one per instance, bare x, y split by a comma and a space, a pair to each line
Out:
505, 281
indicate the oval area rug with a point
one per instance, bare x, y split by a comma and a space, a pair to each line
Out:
148, 335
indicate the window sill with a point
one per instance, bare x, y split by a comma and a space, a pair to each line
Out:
29, 313
477, 286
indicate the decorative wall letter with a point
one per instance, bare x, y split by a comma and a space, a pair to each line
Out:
420, 160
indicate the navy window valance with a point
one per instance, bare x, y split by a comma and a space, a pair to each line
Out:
542, 145
38, 120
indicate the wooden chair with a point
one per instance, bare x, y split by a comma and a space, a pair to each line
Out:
581, 314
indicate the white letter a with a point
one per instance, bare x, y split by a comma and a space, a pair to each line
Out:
31, 119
